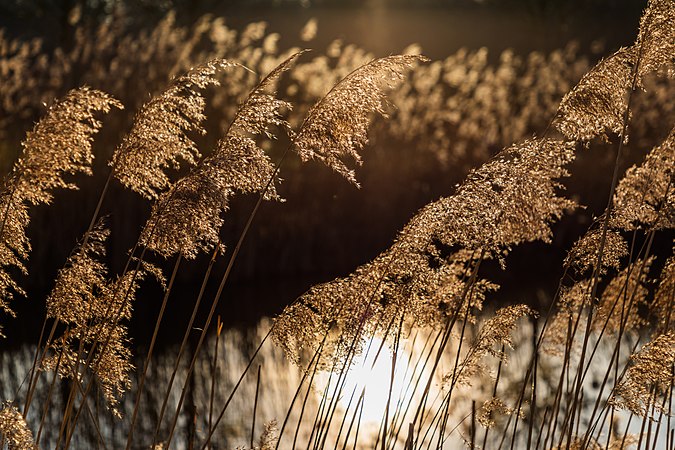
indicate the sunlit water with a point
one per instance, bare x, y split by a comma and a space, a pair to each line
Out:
368, 394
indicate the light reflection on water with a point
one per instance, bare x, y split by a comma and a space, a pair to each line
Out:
279, 380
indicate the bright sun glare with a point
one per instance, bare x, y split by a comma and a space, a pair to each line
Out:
371, 374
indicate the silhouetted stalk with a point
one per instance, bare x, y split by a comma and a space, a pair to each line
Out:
35, 374
622, 326
404, 412
456, 370
540, 432
218, 295
322, 405
645, 419
603, 238
345, 371
255, 406
183, 345
48, 399
494, 393
146, 364
533, 403
32, 381
473, 424
359, 407
234, 390
313, 362
214, 373
343, 421
358, 426
448, 328
411, 437
658, 422
444, 423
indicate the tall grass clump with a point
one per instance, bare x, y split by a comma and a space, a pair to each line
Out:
442, 363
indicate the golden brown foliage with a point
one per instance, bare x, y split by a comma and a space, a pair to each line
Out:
93, 308
645, 196
664, 298
507, 201
336, 128
188, 216
14, 429
656, 38
649, 376
493, 334
490, 409
570, 305
597, 104
584, 254
159, 138
510, 199
622, 297
59, 145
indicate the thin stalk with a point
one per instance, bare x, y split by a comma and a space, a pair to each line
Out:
183, 344
146, 364
214, 373
255, 406
494, 393
605, 227
359, 404
234, 390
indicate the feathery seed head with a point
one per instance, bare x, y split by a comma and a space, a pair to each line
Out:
645, 195
510, 199
187, 218
597, 104
60, 144
14, 429
584, 254
336, 128
80, 281
159, 137
491, 408
495, 332
651, 372
622, 297
656, 38
664, 298
94, 309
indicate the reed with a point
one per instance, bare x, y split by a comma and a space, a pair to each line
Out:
595, 368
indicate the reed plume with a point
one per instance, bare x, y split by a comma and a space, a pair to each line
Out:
490, 409
570, 304
597, 104
159, 138
664, 298
656, 39
583, 255
86, 301
507, 201
58, 146
187, 217
336, 128
14, 429
645, 196
495, 332
623, 297
511, 199
649, 376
